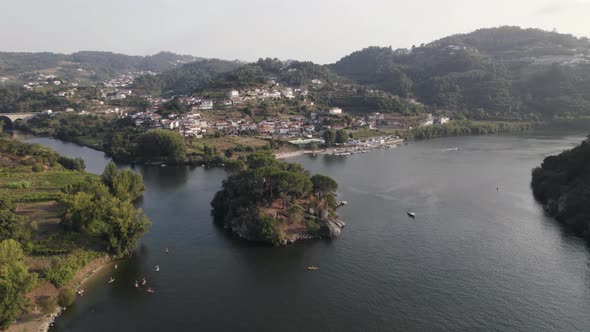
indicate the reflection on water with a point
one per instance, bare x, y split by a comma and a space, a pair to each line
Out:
165, 178
474, 258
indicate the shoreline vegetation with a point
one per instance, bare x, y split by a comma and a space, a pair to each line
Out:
159, 146
58, 224
562, 185
269, 201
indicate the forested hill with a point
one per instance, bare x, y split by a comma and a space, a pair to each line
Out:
221, 74
562, 185
507, 72
186, 78
93, 66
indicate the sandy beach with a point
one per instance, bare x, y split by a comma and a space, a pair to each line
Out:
291, 154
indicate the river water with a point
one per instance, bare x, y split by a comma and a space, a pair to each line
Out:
479, 256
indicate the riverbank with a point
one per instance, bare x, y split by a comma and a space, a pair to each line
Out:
240, 276
35, 320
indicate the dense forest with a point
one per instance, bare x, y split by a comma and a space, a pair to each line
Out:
267, 200
501, 73
562, 185
185, 79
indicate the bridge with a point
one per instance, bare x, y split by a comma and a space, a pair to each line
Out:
10, 118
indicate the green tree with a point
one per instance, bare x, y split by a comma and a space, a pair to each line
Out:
126, 185
329, 137
295, 213
109, 173
161, 145
15, 282
323, 184
313, 146
13, 226
341, 136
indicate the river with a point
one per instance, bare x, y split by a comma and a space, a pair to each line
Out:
479, 256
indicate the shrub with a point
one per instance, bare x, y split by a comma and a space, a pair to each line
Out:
37, 168
62, 270
66, 297
47, 305
313, 227
20, 185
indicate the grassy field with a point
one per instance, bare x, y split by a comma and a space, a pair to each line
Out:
24, 185
225, 142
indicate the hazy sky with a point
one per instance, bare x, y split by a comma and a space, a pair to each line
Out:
317, 30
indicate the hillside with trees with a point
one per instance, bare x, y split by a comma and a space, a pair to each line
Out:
86, 65
562, 185
326, 89
55, 219
186, 78
269, 201
505, 73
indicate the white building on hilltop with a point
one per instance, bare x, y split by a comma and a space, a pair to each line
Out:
335, 110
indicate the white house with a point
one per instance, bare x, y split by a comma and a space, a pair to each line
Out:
335, 110
429, 120
441, 120
206, 105
233, 93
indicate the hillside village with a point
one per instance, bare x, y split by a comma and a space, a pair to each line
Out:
220, 112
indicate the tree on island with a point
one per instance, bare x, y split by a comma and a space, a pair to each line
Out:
323, 184
248, 198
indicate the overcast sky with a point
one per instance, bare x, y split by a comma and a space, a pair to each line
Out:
317, 30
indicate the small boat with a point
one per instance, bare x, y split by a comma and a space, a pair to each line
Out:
452, 149
412, 214
143, 281
150, 290
163, 165
157, 268
81, 292
110, 280
313, 268
136, 284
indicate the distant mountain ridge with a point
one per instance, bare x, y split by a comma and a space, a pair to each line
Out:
89, 65
505, 72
